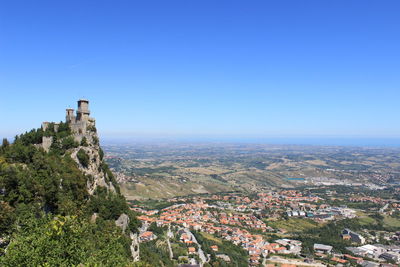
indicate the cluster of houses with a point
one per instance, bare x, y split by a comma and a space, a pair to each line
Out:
380, 253
396, 207
202, 215
376, 200
323, 214
229, 226
395, 236
188, 240
147, 236
294, 202
232, 217
257, 247
270, 200
347, 234
377, 252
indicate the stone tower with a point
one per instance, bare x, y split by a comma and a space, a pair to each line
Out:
83, 112
81, 122
70, 116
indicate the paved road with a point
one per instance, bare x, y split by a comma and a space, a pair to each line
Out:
202, 256
143, 228
382, 210
169, 235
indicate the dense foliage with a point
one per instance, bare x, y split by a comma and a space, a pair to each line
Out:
83, 158
66, 241
32, 176
46, 211
237, 254
155, 253
330, 233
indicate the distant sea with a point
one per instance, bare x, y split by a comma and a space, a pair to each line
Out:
318, 141
376, 142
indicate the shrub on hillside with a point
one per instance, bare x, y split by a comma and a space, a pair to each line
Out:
68, 143
83, 158
84, 142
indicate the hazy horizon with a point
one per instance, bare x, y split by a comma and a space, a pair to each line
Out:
129, 139
209, 69
313, 141
195, 68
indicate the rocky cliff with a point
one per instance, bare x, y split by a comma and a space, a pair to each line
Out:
95, 170
57, 192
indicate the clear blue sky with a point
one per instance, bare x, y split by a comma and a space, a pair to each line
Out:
215, 68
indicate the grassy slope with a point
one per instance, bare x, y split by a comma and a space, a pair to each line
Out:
166, 188
294, 224
392, 222
211, 237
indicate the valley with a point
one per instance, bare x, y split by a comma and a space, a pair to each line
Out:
179, 169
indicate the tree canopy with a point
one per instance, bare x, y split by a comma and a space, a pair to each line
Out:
46, 210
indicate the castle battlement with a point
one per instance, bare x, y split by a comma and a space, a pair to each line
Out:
80, 122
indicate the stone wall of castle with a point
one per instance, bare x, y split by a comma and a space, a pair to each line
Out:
81, 124
46, 142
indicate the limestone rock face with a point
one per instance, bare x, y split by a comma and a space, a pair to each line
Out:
122, 222
87, 154
46, 143
83, 130
94, 169
94, 217
135, 247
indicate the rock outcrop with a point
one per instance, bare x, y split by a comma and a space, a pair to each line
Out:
135, 247
85, 150
60, 170
83, 130
123, 223
98, 176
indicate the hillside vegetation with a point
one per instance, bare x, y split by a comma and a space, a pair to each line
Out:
47, 215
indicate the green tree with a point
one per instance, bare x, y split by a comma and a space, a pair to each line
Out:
84, 141
66, 241
83, 158
7, 217
45, 207
68, 143
5, 143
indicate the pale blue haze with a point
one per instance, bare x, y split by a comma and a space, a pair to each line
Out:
235, 69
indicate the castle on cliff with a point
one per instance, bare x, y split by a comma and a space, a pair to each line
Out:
81, 123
